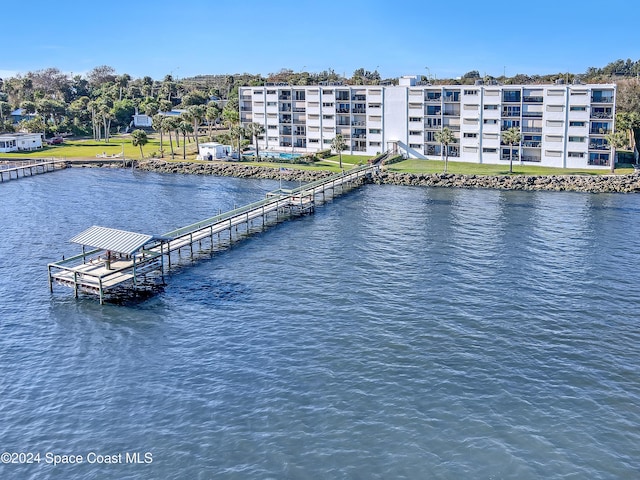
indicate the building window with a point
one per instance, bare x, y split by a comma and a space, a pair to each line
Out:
490, 121
577, 139
555, 108
471, 92
327, 117
327, 104
415, 132
258, 92
467, 148
271, 92
576, 154
326, 141
375, 131
272, 127
327, 92
553, 153
489, 150
555, 123
374, 144
576, 124
470, 135
415, 145
313, 140
415, 119
491, 107
554, 138
577, 108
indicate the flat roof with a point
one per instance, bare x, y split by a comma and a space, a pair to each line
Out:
112, 239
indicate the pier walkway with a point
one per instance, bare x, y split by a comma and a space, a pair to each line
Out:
121, 263
14, 169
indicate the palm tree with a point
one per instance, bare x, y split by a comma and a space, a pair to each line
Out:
445, 137
511, 137
255, 130
615, 140
338, 144
197, 113
237, 132
139, 138
185, 127
158, 125
169, 124
212, 113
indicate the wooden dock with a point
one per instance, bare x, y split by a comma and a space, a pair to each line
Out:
111, 270
14, 169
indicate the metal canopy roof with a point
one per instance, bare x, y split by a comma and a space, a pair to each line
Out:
119, 241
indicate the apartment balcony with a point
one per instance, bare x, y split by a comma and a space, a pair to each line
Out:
300, 133
359, 149
299, 110
359, 110
532, 114
359, 135
285, 131
284, 108
599, 131
433, 99
532, 144
604, 115
284, 143
598, 146
343, 122
284, 97
530, 99
530, 158
359, 98
358, 123
602, 99
515, 157
531, 129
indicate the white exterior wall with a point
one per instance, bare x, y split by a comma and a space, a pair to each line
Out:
556, 122
20, 141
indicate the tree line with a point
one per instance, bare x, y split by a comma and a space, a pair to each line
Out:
103, 102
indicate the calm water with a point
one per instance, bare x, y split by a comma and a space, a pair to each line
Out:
398, 333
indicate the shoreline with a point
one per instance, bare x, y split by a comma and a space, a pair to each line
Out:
572, 183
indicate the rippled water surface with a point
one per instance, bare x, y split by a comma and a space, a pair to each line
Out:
397, 333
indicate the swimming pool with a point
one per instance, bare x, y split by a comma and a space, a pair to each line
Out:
280, 155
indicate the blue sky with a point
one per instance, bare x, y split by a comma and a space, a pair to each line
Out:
396, 37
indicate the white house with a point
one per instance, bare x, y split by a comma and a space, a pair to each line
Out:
15, 142
213, 151
141, 120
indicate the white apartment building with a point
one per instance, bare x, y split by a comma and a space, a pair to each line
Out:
561, 125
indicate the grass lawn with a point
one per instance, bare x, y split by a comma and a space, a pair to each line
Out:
437, 166
89, 148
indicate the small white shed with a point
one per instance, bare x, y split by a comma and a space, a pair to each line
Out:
214, 151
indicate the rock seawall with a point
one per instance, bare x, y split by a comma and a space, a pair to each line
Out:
232, 170
572, 183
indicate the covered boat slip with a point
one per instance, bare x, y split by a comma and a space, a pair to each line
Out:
117, 257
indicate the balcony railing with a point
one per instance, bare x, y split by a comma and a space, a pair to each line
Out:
359, 110
598, 146
535, 99
358, 124
531, 129
601, 115
531, 144
602, 99
433, 100
530, 158
342, 110
532, 114
599, 131
299, 109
